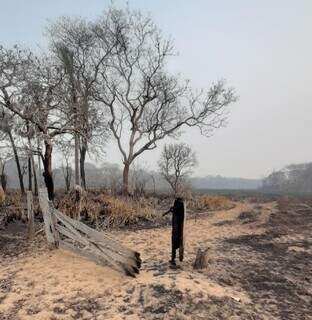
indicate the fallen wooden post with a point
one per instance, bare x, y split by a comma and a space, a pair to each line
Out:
69, 234
30, 216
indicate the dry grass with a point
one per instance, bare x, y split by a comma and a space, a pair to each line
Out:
127, 211
104, 210
15, 205
209, 203
283, 203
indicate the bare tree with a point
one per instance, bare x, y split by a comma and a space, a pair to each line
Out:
146, 103
5, 156
6, 126
66, 148
67, 58
176, 164
113, 175
140, 178
73, 41
38, 99
11, 63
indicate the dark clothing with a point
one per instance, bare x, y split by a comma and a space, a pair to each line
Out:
177, 223
177, 228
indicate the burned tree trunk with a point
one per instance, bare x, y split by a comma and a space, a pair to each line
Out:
35, 175
29, 174
83, 152
201, 261
47, 173
18, 165
125, 181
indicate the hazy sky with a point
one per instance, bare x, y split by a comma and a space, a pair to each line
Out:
262, 47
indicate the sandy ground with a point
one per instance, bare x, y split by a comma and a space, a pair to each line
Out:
36, 283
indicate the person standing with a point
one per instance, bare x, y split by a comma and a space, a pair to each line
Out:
177, 236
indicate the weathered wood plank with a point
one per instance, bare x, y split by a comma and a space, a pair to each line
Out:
96, 235
69, 234
105, 255
45, 208
123, 260
82, 252
111, 257
97, 246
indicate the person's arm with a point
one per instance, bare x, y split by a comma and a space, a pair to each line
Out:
170, 210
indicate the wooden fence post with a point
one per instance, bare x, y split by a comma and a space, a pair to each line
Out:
49, 226
30, 215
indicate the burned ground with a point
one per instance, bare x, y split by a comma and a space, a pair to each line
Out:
259, 268
274, 267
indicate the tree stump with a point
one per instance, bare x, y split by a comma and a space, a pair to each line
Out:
201, 260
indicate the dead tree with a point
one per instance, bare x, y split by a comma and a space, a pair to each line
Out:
176, 164
147, 104
6, 126
66, 148
40, 103
73, 41
30, 216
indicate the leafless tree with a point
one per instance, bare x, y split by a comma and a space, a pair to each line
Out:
67, 59
66, 150
12, 61
140, 178
74, 42
146, 103
5, 156
114, 176
6, 126
38, 99
176, 164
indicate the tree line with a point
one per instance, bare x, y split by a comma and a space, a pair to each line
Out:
294, 178
99, 79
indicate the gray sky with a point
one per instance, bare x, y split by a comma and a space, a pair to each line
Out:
262, 47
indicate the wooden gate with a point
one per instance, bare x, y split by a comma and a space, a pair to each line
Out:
69, 234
